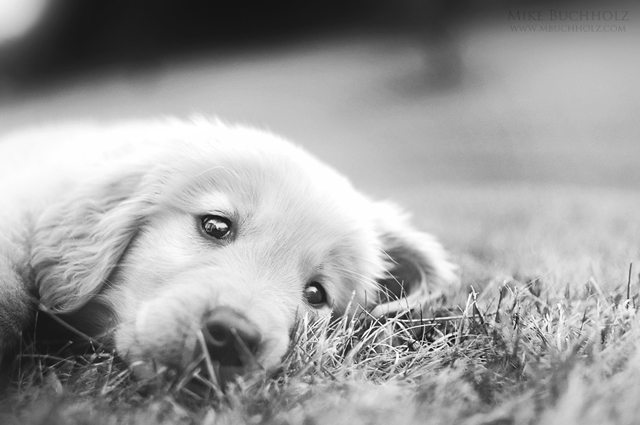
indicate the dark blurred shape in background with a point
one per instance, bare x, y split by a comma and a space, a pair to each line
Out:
393, 92
58, 36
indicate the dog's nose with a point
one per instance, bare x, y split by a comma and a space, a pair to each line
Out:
231, 339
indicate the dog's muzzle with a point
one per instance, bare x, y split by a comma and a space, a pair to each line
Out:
232, 341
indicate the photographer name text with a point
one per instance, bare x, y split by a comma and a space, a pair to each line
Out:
568, 15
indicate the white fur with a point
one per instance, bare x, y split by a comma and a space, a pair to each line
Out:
111, 213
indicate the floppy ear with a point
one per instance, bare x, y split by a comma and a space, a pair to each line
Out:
78, 241
418, 271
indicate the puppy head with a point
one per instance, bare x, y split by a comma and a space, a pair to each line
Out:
224, 243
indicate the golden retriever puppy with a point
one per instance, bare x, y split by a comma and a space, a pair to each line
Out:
163, 236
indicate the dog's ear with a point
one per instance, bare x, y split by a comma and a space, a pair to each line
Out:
418, 271
78, 241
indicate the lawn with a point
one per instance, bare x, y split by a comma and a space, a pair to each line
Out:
526, 171
541, 330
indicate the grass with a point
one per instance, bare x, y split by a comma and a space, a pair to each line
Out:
543, 330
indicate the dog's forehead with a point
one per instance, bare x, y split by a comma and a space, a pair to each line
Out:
247, 177
275, 191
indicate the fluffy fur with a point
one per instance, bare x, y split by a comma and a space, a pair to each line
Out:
102, 225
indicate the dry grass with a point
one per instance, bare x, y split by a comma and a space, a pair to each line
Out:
543, 331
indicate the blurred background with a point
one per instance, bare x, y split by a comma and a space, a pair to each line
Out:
451, 107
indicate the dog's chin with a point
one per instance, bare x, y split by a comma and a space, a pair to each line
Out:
225, 378
186, 366
200, 379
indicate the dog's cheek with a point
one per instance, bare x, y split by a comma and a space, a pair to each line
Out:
167, 330
164, 332
275, 348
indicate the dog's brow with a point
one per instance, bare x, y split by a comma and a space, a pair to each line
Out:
230, 172
212, 203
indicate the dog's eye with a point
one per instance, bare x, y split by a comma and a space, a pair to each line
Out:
315, 294
216, 226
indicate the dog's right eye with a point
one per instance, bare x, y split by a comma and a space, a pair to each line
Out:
216, 226
315, 294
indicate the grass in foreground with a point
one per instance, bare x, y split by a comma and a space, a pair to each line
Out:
509, 356
552, 342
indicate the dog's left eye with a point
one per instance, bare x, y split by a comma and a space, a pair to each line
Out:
216, 226
315, 294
